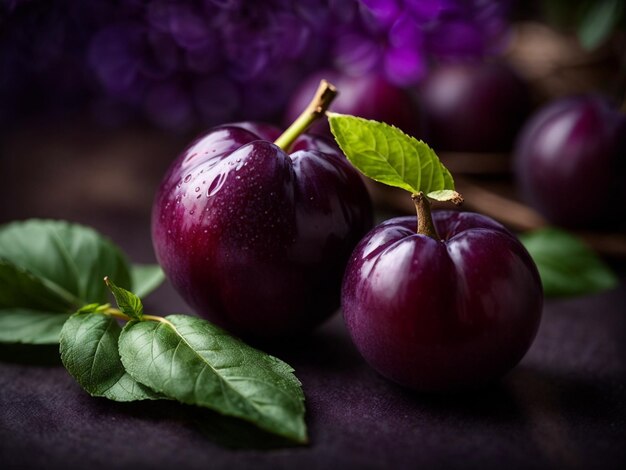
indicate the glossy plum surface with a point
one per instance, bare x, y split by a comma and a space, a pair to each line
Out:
368, 96
256, 239
437, 315
570, 162
473, 107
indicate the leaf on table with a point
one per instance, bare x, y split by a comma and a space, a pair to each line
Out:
191, 360
20, 325
146, 278
50, 268
566, 265
89, 351
30, 310
386, 154
599, 20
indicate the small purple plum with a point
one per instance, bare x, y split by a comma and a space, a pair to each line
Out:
570, 162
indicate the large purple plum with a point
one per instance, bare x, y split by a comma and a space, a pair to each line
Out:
254, 238
570, 162
442, 314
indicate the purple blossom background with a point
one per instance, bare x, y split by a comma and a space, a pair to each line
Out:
187, 63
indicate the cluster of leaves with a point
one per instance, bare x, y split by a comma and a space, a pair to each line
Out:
52, 290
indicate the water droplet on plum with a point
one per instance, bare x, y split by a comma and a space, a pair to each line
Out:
216, 185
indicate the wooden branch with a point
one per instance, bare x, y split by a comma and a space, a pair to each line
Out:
476, 163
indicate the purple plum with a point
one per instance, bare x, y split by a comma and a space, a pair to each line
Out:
570, 162
254, 238
442, 314
472, 107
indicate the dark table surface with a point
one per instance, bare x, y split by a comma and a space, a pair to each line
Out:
563, 406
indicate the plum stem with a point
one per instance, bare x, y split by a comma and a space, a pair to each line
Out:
316, 109
425, 225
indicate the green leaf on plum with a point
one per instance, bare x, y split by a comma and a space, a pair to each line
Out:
566, 265
190, 360
89, 351
445, 195
386, 154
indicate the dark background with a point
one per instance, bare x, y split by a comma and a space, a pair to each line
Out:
97, 158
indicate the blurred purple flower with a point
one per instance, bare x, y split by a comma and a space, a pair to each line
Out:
384, 11
127, 56
412, 31
183, 63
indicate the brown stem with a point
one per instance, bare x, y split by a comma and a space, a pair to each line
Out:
425, 225
316, 109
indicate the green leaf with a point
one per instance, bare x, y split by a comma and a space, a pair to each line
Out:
146, 278
89, 351
128, 302
30, 310
73, 257
566, 265
50, 268
20, 288
388, 155
191, 360
22, 325
446, 195
598, 22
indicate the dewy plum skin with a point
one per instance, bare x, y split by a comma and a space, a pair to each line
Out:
254, 238
444, 314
